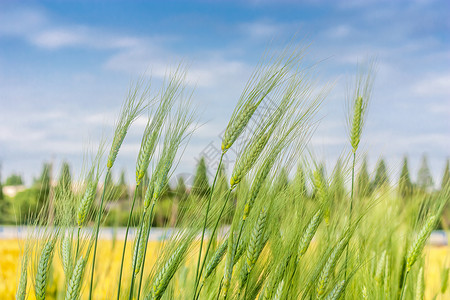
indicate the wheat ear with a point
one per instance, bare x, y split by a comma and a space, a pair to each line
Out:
86, 201
420, 286
66, 254
45, 261
337, 291
229, 263
380, 268
255, 246
164, 276
309, 233
330, 265
131, 109
387, 278
357, 123
444, 280
279, 291
215, 260
74, 286
22, 287
139, 247
419, 243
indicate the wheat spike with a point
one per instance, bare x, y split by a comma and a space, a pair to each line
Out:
74, 286
419, 243
164, 276
140, 247
215, 260
274, 279
131, 109
229, 263
444, 280
336, 292
380, 268
152, 131
420, 286
387, 279
309, 233
22, 287
330, 264
364, 293
235, 128
66, 254
86, 201
45, 261
279, 291
255, 246
357, 123
246, 161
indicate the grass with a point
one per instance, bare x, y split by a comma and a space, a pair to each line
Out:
308, 238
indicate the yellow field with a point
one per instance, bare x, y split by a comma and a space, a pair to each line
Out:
108, 263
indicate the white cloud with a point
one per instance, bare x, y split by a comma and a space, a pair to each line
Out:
434, 85
340, 31
20, 22
262, 29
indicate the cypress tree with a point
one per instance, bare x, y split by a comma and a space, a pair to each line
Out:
363, 182
200, 186
14, 179
122, 186
282, 181
338, 182
405, 188
3, 204
446, 177
43, 184
300, 183
381, 176
424, 179
222, 183
65, 179
180, 189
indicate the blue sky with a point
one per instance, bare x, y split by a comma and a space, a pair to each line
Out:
65, 68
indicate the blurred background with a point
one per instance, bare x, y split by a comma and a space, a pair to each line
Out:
65, 68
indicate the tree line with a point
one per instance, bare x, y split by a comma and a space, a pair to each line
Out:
22, 208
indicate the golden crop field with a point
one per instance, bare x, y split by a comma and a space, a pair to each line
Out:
109, 263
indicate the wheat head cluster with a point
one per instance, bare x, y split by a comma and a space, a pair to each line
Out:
276, 228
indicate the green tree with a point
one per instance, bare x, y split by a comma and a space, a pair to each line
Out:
4, 205
1, 186
381, 175
300, 183
446, 177
122, 187
14, 179
65, 180
363, 181
424, 179
405, 187
180, 189
282, 180
338, 182
222, 183
43, 185
200, 186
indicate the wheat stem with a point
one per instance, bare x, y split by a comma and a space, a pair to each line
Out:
125, 241
97, 229
198, 272
214, 232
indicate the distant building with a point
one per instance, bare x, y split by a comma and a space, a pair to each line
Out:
12, 190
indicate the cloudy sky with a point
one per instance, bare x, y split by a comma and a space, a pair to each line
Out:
65, 68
